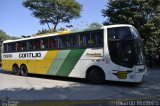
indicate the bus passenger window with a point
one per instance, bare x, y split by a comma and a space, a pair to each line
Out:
18, 46
23, 46
37, 44
90, 40
73, 41
13, 47
97, 37
5, 48
9, 48
53, 41
29, 45
62, 41
84, 39
44, 43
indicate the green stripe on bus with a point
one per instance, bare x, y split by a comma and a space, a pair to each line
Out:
70, 62
57, 62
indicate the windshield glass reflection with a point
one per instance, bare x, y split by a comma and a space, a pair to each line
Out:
125, 46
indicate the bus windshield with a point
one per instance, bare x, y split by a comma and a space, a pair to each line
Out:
125, 46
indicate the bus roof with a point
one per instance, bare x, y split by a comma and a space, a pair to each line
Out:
64, 32
117, 25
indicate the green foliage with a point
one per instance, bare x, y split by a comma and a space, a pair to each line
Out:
3, 35
54, 11
14, 38
93, 26
43, 31
145, 16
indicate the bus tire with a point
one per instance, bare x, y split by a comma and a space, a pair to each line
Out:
23, 70
15, 69
95, 75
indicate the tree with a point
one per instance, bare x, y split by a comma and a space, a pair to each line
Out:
144, 15
54, 11
3, 35
93, 26
152, 42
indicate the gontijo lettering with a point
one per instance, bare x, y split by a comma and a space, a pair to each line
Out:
29, 55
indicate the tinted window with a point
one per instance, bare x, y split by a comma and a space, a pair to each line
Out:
23, 46
97, 37
112, 33
37, 44
53, 42
5, 48
29, 45
119, 33
121, 47
62, 41
18, 46
122, 53
92, 38
73, 40
84, 39
13, 47
44, 43
88, 39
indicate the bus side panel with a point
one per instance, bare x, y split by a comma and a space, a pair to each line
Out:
7, 65
65, 62
44, 65
91, 57
70, 62
33, 66
30, 64
57, 62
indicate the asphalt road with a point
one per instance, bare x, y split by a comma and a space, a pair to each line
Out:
44, 88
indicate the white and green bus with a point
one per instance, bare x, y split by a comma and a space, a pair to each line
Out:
113, 52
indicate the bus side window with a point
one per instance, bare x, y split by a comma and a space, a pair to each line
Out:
23, 46
53, 42
18, 46
44, 43
29, 45
90, 41
62, 41
97, 38
84, 38
5, 48
37, 44
73, 40
13, 47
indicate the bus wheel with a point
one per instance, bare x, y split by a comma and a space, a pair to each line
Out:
24, 71
15, 69
95, 75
